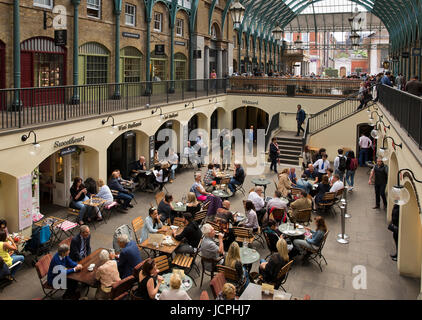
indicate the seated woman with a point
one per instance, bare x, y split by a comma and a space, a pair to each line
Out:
251, 217
107, 274
165, 209
314, 241
152, 224
210, 175
322, 188
4, 270
233, 261
174, 293
269, 270
161, 173
5, 249
149, 281
104, 192
78, 193
199, 189
272, 234
193, 206
228, 292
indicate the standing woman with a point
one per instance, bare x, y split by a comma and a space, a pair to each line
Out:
274, 151
307, 157
351, 166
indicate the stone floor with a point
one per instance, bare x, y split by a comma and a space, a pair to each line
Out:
370, 246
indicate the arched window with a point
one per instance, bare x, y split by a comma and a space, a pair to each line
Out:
93, 63
130, 64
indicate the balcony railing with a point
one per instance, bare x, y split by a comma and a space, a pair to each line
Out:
405, 108
27, 107
290, 87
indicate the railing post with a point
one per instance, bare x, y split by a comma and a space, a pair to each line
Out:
127, 95
167, 91
208, 83
99, 99
65, 105
183, 90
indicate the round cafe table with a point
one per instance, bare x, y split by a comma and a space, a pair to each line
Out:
289, 231
261, 182
222, 194
248, 256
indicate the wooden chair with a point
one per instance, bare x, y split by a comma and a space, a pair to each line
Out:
120, 289
187, 262
66, 241
138, 224
259, 237
158, 197
205, 206
71, 212
282, 276
303, 216
162, 263
296, 192
213, 267
267, 240
215, 225
137, 269
327, 201
204, 295
243, 234
316, 255
278, 215
42, 267
178, 221
217, 284
199, 217
229, 273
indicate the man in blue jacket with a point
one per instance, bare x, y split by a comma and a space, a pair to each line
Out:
300, 118
129, 256
80, 247
61, 258
123, 194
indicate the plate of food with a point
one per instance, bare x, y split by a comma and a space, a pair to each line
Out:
174, 227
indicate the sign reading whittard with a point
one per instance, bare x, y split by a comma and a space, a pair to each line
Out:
73, 140
249, 102
129, 125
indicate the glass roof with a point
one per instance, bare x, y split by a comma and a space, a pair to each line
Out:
333, 6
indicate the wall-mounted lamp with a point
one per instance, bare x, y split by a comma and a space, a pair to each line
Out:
375, 131
160, 119
399, 193
35, 145
384, 152
369, 108
113, 126
214, 99
193, 107
371, 117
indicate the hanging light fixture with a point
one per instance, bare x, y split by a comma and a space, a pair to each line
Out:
237, 11
399, 193
384, 152
161, 117
35, 145
113, 128
277, 33
354, 39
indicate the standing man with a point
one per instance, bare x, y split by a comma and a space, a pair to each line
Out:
414, 86
274, 154
300, 118
340, 164
386, 79
322, 165
80, 247
365, 145
380, 173
250, 139
399, 81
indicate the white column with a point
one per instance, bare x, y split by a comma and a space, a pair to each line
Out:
219, 63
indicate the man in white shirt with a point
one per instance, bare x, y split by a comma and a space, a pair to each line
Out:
257, 200
173, 159
365, 145
322, 165
337, 184
340, 164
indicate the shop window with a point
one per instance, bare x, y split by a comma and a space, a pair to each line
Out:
179, 66
96, 69
44, 3
48, 69
132, 63
158, 21
158, 69
130, 14
179, 27
93, 8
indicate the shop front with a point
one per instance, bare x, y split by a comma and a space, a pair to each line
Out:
121, 154
180, 66
43, 64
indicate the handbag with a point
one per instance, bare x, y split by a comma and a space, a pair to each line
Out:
392, 227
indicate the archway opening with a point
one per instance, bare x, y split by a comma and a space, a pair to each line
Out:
171, 137
365, 129
245, 117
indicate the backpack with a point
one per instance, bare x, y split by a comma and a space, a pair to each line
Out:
342, 163
353, 164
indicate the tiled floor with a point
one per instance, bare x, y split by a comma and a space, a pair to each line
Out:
370, 246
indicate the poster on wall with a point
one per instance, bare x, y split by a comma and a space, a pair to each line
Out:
25, 201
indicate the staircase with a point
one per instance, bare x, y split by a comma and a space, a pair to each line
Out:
290, 147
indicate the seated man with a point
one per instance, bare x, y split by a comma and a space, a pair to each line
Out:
238, 178
191, 235
209, 248
129, 256
337, 184
165, 208
259, 203
311, 173
302, 203
330, 176
140, 165
274, 203
61, 258
304, 184
80, 247
123, 194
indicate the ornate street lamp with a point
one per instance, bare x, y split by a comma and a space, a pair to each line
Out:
237, 12
277, 33
355, 39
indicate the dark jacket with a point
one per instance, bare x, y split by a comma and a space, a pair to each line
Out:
191, 233
239, 175
381, 175
75, 248
273, 267
74, 192
273, 151
321, 190
115, 184
66, 262
129, 258
300, 116
395, 215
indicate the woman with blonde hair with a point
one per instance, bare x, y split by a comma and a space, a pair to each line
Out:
104, 192
193, 206
228, 292
233, 261
284, 184
174, 293
269, 270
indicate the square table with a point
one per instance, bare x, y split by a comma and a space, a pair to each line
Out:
254, 292
85, 276
166, 249
96, 202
